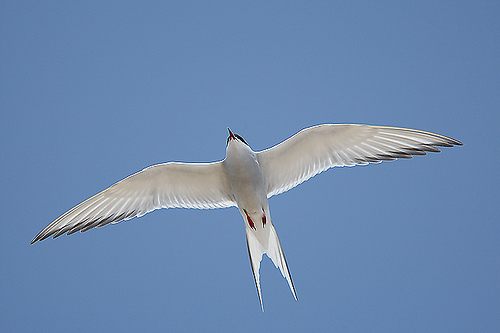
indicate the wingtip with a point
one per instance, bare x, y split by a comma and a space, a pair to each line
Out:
40, 237
35, 239
453, 142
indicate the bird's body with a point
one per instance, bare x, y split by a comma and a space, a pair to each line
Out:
246, 179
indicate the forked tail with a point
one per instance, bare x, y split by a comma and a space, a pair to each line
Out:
274, 251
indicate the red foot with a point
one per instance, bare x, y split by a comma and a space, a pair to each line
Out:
250, 222
264, 220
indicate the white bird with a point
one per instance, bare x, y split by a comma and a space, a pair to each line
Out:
247, 179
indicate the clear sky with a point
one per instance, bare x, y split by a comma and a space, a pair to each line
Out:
92, 91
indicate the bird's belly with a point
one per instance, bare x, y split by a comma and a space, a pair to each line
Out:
248, 186
249, 192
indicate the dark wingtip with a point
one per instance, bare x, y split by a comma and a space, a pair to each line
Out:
453, 142
36, 239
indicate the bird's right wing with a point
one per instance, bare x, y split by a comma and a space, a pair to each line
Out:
168, 185
316, 149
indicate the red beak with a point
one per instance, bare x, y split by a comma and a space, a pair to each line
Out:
231, 135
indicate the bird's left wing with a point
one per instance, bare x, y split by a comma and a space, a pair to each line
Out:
168, 185
318, 148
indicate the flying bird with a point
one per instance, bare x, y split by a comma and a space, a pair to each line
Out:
246, 179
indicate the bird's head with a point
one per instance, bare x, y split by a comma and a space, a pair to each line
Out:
235, 140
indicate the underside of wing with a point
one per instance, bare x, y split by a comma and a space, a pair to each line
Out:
316, 149
168, 185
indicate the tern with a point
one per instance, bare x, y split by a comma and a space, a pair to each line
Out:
246, 179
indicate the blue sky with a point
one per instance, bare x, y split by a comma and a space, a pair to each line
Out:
93, 91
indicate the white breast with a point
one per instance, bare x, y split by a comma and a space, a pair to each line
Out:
245, 177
